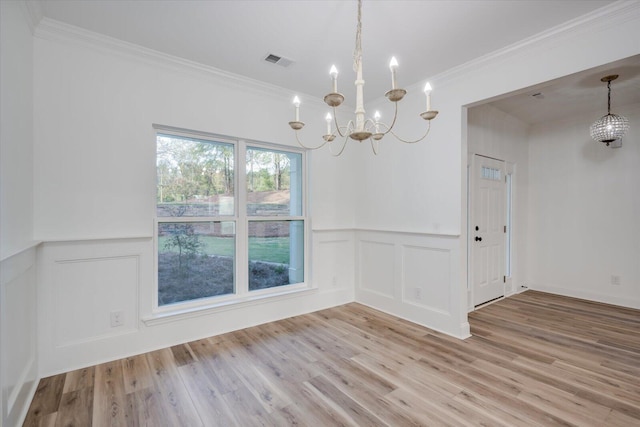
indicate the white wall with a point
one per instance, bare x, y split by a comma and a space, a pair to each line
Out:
584, 211
422, 188
496, 134
18, 361
576, 205
16, 130
95, 102
18, 330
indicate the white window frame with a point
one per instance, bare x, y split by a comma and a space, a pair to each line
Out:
242, 294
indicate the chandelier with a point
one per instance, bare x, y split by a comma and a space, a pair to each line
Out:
362, 128
611, 127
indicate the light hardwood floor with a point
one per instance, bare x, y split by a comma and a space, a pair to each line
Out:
534, 359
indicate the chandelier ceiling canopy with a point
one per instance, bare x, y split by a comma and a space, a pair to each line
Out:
361, 128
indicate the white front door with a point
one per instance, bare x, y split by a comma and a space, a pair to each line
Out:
487, 229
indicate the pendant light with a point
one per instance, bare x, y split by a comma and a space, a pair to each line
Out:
611, 127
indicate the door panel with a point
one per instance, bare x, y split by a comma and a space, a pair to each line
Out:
487, 237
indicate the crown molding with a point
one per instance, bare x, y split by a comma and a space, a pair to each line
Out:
608, 16
50, 29
33, 13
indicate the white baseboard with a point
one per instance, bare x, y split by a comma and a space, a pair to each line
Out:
588, 295
26, 398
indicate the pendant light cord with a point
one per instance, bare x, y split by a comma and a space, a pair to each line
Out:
609, 97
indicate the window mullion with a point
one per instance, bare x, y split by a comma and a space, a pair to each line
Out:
242, 239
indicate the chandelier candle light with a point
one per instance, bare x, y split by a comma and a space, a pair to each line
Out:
361, 129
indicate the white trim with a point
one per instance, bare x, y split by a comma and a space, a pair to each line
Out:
30, 394
241, 292
161, 317
18, 271
464, 330
606, 16
222, 218
409, 232
21, 249
586, 295
95, 238
50, 29
32, 12
241, 256
380, 230
172, 219
190, 134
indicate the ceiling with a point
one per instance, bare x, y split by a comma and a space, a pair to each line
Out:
427, 38
575, 94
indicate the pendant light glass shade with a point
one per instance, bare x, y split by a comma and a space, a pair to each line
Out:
611, 127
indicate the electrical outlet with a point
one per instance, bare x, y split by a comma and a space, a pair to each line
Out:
418, 293
615, 280
117, 318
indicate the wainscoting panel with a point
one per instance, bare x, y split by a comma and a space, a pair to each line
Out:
18, 334
413, 276
81, 283
376, 264
332, 265
100, 286
425, 272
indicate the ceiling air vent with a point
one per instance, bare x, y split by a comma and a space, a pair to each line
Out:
278, 60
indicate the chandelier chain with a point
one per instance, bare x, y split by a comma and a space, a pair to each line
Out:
609, 97
357, 52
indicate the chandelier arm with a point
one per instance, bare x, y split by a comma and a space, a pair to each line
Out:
393, 123
362, 128
309, 148
386, 126
335, 119
344, 145
417, 140
373, 147
609, 97
348, 129
370, 124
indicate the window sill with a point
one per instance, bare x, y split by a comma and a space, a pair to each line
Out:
183, 313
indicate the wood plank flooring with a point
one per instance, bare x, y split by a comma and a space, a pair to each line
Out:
534, 359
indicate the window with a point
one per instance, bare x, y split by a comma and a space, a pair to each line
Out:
212, 241
274, 208
491, 173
